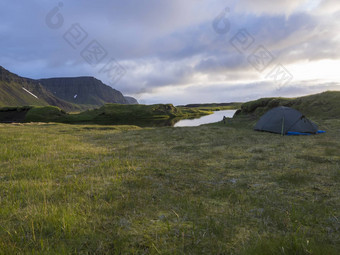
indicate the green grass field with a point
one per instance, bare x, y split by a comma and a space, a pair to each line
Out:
215, 189
212, 107
324, 105
109, 114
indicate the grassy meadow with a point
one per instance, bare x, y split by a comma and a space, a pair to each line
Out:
324, 105
214, 189
211, 107
157, 115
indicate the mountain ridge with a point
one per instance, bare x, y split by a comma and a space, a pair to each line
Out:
68, 93
83, 90
19, 91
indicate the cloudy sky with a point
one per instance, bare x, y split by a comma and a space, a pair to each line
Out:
175, 51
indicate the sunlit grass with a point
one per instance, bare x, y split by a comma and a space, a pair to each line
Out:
214, 189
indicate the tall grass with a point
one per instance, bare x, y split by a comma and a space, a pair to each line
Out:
214, 189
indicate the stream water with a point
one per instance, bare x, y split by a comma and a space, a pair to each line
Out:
215, 117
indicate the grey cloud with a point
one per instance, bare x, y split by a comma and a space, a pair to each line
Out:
169, 43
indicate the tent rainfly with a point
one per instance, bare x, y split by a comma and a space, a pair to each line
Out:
285, 121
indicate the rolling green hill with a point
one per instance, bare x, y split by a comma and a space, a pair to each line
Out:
109, 114
325, 105
143, 115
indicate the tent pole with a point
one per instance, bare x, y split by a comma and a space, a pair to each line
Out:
283, 124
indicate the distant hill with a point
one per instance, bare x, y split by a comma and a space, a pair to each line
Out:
84, 90
109, 114
19, 91
210, 105
325, 105
69, 94
131, 100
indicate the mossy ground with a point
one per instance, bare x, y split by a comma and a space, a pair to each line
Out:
109, 114
320, 106
212, 107
215, 189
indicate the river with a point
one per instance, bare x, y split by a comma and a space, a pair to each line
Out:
215, 117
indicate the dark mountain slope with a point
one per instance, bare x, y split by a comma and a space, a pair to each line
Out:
131, 100
83, 90
70, 94
19, 91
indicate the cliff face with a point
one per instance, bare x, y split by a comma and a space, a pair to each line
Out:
70, 94
84, 90
20, 91
131, 100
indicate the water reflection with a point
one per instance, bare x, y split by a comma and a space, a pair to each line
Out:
215, 117
174, 122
